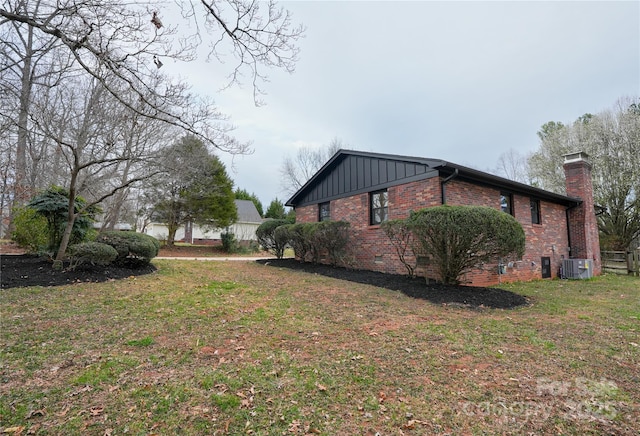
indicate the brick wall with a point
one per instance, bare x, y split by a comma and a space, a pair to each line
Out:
547, 239
371, 249
308, 214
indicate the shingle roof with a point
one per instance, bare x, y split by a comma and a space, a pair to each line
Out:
247, 212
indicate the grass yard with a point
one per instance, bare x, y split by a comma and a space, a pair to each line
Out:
242, 348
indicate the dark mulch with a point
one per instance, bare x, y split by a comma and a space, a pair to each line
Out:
26, 270
413, 287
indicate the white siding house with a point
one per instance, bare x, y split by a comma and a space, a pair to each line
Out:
244, 228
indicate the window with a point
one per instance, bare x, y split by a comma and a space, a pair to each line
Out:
379, 207
324, 211
506, 202
535, 211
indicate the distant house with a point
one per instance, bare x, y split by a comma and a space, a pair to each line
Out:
118, 226
366, 189
244, 228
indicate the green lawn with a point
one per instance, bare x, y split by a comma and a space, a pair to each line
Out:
241, 348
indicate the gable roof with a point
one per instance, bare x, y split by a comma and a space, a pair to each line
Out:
351, 172
247, 212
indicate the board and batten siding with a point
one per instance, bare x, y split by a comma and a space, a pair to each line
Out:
357, 174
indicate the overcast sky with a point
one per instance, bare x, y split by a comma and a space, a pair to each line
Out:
459, 81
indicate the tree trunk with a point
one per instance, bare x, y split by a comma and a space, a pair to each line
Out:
71, 215
171, 235
21, 192
64, 243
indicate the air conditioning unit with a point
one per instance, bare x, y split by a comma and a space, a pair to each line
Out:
577, 268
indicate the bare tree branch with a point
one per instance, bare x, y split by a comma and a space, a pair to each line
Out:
120, 40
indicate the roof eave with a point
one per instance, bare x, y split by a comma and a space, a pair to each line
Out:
447, 168
507, 184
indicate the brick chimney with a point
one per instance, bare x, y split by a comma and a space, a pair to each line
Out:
583, 227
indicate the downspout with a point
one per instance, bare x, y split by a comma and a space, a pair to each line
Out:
443, 188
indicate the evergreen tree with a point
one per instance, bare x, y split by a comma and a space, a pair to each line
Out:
275, 210
194, 187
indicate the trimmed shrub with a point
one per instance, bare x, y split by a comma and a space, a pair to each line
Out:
459, 238
30, 230
267, 237
331, 237
281, 239
94, 253
301, 240
312, 240
134, 249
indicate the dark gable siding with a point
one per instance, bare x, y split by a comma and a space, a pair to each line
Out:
356, 174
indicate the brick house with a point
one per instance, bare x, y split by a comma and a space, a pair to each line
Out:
368, 188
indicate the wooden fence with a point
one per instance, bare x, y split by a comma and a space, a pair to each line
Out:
621, 262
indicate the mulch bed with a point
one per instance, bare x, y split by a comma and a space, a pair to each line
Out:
470, 296
27, 270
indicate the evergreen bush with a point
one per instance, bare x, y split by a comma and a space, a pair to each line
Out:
301, 240
459, 238
134, 249
95, 253
331, 237
30, 230
53, 205
229, 242
267, 237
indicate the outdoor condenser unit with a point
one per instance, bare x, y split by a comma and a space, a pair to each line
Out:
577, 268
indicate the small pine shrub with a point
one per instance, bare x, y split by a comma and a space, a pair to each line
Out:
229, 242
53, 205
94, 253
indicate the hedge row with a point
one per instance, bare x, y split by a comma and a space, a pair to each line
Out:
310, 241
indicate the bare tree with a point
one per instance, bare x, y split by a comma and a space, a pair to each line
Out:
121, 45
297, 170
612, 140
139, 138
6, 175
513, 166
90, 146
28, 60
127, 42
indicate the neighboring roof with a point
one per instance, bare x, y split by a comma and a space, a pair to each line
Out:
247, 212
410, 169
